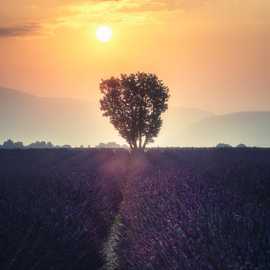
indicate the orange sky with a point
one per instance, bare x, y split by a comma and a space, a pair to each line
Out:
213, 54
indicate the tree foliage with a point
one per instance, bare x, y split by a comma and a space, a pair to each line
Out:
134, 103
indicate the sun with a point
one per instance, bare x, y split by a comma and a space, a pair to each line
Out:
104, 33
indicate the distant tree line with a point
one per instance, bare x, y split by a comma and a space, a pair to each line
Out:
111, 145
224, 145
10, 144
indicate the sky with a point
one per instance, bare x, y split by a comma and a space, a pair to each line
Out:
213, 54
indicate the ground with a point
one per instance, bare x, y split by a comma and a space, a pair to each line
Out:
164, 209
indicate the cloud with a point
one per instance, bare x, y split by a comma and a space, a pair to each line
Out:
127, 11
189, 13
19, 30
80, 14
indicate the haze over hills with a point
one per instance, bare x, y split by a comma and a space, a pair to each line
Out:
63, 121
29, 118
251, 128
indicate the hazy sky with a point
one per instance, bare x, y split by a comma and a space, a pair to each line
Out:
213, 54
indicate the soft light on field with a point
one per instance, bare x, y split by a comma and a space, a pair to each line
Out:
104, 33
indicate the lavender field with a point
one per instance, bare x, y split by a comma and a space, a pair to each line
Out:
107, 209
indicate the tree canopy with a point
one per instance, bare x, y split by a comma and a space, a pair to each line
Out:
134, 103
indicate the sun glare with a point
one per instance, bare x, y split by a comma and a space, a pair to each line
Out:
104, 33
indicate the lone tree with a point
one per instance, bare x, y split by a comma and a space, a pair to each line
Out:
134, 103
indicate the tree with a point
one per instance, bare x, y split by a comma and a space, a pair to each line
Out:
134, 104
9, 144
223, 145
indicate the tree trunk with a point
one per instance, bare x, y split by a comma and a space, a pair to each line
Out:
145, 143
130, 145
135, 144
140, 140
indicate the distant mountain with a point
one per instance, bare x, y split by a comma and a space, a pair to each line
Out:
62, 121
250, 128
29, 118
175, 123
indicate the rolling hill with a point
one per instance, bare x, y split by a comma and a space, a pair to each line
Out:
62, 121
29, 118
251, 128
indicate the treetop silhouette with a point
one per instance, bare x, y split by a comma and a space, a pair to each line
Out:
134, 103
